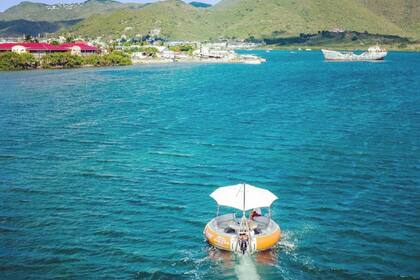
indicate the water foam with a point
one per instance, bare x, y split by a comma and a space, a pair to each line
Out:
246, 270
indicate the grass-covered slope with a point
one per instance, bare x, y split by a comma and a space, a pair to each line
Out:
176, 19
230, 18
260, 18
291, 17
403, 13
62, 12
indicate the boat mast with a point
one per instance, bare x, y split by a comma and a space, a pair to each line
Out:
243, 209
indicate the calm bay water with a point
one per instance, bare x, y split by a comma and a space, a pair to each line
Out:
105, 173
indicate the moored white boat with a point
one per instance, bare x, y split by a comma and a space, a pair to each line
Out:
246, 234
252, 59
373, 53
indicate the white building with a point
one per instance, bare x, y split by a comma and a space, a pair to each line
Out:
206, 52
19, 49
168, 54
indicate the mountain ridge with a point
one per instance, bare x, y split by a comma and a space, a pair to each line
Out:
34, 11
232, 18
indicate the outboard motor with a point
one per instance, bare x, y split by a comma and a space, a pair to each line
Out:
243, 242
244, 246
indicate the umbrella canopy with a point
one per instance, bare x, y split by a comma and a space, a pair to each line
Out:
243, 197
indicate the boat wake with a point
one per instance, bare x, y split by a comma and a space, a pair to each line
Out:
246, 269
288, 242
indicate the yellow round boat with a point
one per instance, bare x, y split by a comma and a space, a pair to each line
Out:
253, 234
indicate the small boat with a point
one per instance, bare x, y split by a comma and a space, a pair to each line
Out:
373, 53
252, 59
251, 234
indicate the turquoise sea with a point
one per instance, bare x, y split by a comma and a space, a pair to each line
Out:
106, 173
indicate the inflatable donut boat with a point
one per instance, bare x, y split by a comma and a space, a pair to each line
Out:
243, 235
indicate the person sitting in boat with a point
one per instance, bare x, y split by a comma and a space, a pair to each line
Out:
255, 213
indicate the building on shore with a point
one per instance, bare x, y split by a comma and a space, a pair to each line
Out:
217, 53
41, 49
167, 54
11, 39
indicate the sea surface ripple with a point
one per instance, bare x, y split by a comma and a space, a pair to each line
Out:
105, 173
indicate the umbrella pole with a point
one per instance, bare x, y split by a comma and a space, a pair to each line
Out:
243, 211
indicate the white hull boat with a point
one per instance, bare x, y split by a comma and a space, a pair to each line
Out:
373, 53
252, 59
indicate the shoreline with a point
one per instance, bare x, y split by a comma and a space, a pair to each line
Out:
158, 61
169, 61
140, 62
238, 59
331, 47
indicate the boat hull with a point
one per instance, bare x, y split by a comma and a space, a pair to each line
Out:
229, 242
350, 56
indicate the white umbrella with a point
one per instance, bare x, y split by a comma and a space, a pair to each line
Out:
243, 197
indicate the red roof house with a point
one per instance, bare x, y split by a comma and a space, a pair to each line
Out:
84, 47
44, 48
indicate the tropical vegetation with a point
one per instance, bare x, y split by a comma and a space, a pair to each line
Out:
185, 48
61, 60
149, 51
10, 61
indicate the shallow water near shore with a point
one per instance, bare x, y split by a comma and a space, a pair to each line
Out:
105, 173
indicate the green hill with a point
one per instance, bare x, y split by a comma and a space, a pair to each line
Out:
175, 18
289, 17
252, 18
229, 18
33, 28
62, 12
403, 13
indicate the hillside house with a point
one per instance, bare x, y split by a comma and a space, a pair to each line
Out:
41, 49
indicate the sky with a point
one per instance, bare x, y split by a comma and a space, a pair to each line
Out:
4, 4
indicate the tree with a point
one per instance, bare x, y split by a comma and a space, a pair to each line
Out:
118, 58
10, 61
69, 39
61, 60
187, 48
28, 38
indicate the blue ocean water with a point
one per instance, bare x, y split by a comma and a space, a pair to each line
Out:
105, 173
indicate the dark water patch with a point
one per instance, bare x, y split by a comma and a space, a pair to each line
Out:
48, 261
68, 251
195, 223
171, 154
162, 206
8, 230
111, 233
98, 175
158, 275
